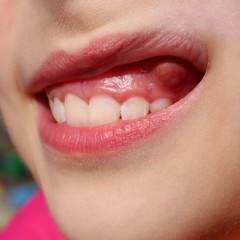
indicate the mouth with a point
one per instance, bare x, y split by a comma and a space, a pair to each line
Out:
117, 90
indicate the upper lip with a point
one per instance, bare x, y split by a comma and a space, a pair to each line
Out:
105, 53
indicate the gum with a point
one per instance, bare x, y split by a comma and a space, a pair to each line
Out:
151, 79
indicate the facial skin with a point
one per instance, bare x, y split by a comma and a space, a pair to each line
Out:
175, 186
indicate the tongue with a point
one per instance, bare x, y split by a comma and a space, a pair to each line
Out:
151, 79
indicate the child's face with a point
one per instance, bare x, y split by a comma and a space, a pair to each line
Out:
172, 174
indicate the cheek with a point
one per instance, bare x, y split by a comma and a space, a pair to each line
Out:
18, 120
8, 45
11, 98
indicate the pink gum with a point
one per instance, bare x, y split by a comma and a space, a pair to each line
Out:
150, 79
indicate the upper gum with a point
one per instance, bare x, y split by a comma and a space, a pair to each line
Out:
87, 89
121, 86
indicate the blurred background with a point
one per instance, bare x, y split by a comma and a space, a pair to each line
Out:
16, 183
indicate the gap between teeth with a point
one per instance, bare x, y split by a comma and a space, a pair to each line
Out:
102, 109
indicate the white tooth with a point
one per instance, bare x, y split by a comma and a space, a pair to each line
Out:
159, 104
134, 107
76, 111
57, 110
102, 110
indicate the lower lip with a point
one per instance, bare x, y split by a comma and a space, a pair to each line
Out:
108, 137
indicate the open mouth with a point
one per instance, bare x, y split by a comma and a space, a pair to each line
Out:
125, 93
93, 111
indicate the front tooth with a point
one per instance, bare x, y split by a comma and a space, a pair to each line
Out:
57, 110
102, 110
76, 111
134, 107
159, 104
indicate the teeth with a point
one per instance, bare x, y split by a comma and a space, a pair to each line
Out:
159, 104
102, 110
57, 109
134, 107
76, 111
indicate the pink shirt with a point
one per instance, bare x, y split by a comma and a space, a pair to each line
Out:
33, 221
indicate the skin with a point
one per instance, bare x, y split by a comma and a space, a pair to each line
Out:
184, 185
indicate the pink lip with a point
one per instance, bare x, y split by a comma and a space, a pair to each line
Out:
100, 56
106, 137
